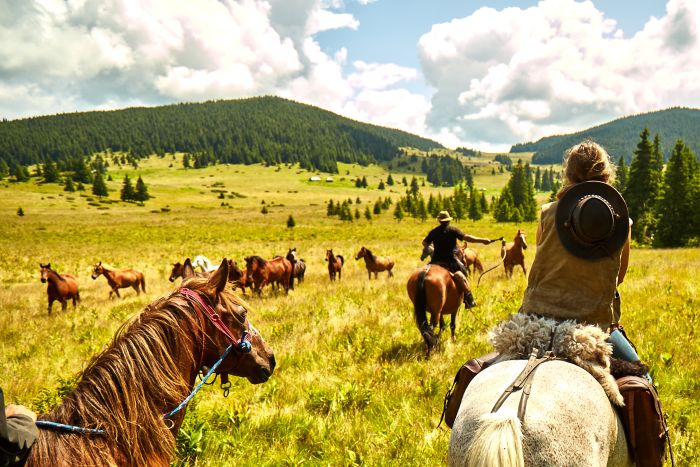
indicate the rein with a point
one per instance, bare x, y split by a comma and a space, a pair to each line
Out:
503, 258
240, 346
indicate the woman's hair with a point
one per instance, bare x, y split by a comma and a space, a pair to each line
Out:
584, 162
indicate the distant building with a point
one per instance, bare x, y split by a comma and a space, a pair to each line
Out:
314, 179
329, 179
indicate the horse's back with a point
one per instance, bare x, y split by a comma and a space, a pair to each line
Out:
569, 420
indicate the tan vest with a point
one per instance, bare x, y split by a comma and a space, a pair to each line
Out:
563, 286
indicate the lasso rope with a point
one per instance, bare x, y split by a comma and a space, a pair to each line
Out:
46, 424
503, 257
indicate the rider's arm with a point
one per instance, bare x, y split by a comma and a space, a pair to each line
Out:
625, 257
473, 239
17, 432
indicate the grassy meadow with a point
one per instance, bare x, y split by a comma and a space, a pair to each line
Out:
352, 386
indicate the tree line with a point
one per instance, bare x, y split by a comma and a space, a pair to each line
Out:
266, 130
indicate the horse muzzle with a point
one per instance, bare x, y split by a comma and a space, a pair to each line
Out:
264, 373
94, 277
43, 280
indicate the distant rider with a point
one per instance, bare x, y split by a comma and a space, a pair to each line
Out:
445, 250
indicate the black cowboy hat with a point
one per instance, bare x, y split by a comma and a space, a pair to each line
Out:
592, 220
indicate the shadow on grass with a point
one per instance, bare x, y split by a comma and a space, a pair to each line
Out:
401, 353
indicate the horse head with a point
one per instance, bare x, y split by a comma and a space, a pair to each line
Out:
234, 272
176, 272
45, 270
256, 362
97, 270
427, 251
329, 254
520, 237
292, 255
361, 253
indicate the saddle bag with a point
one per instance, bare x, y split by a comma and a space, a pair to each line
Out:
464, 376
643, 421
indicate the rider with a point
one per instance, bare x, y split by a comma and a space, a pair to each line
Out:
17, 433
444, 239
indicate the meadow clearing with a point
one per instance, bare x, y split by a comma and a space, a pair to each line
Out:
352, 386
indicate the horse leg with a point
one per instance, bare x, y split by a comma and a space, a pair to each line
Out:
391, 274
73, 301
369, 274
64, 304
442, 325
136, 288
116, 292
453, 325
51, 300
522, 265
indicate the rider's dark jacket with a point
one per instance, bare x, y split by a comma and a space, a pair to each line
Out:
444, 239
17, 434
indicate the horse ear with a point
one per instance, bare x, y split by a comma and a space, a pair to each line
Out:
219, 279
187, 269
48, 265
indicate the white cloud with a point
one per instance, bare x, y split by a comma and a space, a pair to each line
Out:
379, 75
520, 74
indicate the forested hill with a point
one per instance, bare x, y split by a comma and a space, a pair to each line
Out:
620, 137
261, 129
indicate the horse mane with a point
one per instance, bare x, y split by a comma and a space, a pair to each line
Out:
108, 267
259, 260
370, 254
60, 277
122, 388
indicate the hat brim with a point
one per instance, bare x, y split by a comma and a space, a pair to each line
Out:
606, 248
446, 219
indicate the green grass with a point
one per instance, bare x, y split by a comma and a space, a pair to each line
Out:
351, 386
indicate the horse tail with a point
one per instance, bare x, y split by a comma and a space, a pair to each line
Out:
291, 275
497, 441
478, 265
419, 311
143, 283
342, 260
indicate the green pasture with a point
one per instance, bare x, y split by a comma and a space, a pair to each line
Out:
352, 386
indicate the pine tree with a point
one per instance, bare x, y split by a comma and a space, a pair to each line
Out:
330, 210
186, 161
475, 206
422, 213
415, 189
81, 173
99, 188
4, 169
358, 201
642, 189
484, 203
621, 175
368, 214
357, 213
127, 192
68, 185
390, 180
50, 171
675, 208
20, 212
538, 179
377, 209
381, 185
142, 191
404, 181
364, 182
264, 210
398, 212
80, 187
290, 222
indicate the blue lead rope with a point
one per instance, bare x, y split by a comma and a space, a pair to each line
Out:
94, 431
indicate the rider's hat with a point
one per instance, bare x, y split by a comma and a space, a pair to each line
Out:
444, 216
592, 220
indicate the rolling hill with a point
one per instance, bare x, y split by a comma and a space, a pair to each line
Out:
262, 129
620, 137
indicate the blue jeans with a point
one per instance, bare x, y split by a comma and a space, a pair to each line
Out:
623, 350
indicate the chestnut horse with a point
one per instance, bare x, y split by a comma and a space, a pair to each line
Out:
237, 276
120, 278
148, 369
433, 289
62, 287
512, 254
262, 272
468, 256
335, 264
375, 264
185, 270
298, 265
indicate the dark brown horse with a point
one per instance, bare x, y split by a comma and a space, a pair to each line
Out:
375, 264
62, 287
185, 270
262, 272
512, 254
298, 265
237, 276
120, 278
335, 264
148, 369
434, 290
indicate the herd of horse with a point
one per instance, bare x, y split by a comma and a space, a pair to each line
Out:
130, 401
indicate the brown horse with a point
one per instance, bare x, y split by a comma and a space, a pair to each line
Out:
433, 289
237, 276
120, 278
512, 254
185, 270
298, 265
375, 264
148, 369
471, 260
262, 272
335, 264
62, 287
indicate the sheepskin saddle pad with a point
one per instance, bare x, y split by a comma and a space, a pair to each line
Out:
583, 345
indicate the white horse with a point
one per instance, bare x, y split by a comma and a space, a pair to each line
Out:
569, 421
204, 263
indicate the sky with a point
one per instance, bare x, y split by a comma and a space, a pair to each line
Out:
480, 74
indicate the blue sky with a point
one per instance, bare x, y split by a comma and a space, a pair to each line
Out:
471, 73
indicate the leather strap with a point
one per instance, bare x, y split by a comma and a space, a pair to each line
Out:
523, 382
214, 317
